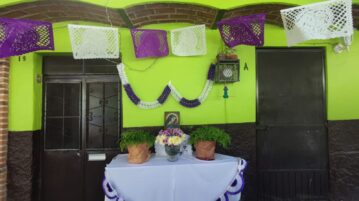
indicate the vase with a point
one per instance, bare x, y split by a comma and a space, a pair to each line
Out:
172, 152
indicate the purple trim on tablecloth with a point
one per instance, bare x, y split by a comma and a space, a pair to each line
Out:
149, 42
105, 185
21, 36
131, 94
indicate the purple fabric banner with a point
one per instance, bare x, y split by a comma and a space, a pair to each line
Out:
18, 37
149, 43
246, 30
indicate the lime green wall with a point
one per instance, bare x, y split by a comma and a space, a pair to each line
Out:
25, 93
188, 74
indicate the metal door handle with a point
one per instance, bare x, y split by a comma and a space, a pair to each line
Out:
97, 157
90, 116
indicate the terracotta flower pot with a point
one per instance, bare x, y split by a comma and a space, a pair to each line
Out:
138, 153
205, 150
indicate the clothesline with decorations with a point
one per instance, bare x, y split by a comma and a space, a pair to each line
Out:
169, 89
323, 20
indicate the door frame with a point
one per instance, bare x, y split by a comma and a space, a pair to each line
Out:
322, 50
83, 79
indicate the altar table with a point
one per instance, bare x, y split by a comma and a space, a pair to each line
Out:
187, 179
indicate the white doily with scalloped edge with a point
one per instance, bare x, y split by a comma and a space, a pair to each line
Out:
324, 20
93, 42
189, 41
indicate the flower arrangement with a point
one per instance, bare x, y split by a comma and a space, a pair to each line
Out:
170, 137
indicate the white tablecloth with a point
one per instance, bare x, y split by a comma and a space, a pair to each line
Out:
187, 179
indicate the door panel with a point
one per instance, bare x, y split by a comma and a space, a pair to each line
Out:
81, 118
61, 159
290, 87
103, 99
292, 152
94, 176
292, 147
61, 179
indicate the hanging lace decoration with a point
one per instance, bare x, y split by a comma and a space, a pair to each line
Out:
246, 30
324, 20
93, 42
237, 185
18, 37
169, 89
189, 41
149, 43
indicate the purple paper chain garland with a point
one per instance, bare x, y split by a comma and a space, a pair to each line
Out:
211, 72
163, 97
190, 103
167, 90
131, 94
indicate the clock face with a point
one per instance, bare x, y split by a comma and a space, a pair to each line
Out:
227, 72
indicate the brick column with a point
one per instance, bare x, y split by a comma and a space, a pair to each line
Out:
4, 83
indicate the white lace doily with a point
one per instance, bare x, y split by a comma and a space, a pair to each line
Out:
92, 42
189, 41
324, 20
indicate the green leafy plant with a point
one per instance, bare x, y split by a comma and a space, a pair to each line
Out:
211, 134
133, 137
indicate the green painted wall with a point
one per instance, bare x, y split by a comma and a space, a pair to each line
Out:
25, 93
188, 74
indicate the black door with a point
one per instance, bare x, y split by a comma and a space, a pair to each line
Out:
81, 130
292, 153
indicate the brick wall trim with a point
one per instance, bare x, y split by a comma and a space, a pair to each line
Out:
144, 14
4, 77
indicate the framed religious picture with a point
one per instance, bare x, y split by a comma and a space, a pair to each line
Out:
172, 120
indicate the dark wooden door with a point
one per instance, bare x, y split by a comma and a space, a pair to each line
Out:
292, 153
62, 156
81, 128
102, 132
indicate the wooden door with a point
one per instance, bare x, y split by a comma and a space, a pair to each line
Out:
292, 152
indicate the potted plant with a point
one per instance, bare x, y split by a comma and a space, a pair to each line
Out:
205, 140
137, 143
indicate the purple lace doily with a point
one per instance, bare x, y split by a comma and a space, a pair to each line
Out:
246, 30
22, 36
149, 43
